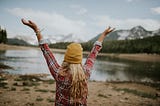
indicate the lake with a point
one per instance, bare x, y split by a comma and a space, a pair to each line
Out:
31, 61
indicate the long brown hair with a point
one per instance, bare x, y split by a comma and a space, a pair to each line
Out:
78, 87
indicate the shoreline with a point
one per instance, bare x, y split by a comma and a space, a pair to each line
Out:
137, 56
36, 90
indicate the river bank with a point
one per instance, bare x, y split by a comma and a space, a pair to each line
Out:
37, 90
139, 57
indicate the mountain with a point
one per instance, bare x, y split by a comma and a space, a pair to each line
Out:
25, 40
22, 40
28, 39
156, 32
15, 41
137, 32
64, 38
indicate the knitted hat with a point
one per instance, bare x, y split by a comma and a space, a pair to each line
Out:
73, 53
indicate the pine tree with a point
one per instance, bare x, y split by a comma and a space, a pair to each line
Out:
0, 35
3, 35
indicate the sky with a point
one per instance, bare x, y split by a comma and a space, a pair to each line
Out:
82, 18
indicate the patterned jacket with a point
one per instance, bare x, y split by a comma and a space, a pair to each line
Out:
63, 83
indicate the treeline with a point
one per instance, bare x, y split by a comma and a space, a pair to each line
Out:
60, 45
3, 35
146, 45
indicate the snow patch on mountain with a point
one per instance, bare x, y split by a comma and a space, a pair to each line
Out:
30, 40
137, 32
64, 38
156, 32
123, 35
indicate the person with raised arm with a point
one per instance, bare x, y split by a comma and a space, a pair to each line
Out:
71, 77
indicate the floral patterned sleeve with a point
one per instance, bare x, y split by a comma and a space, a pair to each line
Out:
91, 58
50, 59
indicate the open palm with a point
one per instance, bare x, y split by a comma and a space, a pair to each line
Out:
30, 24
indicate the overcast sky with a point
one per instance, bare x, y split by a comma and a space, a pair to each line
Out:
83, 18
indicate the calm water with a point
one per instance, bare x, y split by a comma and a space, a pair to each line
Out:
105, 68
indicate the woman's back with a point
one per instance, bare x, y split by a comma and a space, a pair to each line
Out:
63, 92
71, 79
71, 83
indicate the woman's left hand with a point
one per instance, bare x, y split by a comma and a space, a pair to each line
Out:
105, 33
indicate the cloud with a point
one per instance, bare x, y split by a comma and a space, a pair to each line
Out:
156, 10
82, 11
149, 24
129, 0
132, 0
53, 22
79, 10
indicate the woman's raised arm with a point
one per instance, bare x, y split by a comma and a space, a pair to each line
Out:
35, 28
50, 59
94, 52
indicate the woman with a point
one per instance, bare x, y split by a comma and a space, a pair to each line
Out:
71, 77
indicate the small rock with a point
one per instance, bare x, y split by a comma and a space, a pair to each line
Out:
121, 100
126, 98
40, 82
18, 83
122, 92
5, 81
29, 104
157, 94
34, 80
109, 94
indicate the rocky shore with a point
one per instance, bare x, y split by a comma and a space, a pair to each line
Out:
38, 90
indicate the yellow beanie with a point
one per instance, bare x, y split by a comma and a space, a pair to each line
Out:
73, 53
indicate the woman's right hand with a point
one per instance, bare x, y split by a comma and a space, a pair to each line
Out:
34, 27
30, 24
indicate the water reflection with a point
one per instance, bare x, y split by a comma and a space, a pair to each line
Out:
108, 70
105, 68
127, 70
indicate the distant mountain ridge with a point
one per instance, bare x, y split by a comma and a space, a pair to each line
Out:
24, 40
64, 38
15, 41
137, 32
